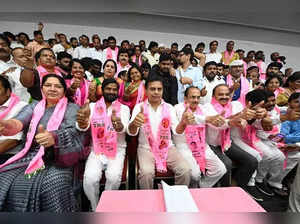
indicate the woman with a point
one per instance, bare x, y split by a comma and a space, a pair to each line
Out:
133, 91
291, 85
273, 84
78, 86
53, 147
137, 57
109, 71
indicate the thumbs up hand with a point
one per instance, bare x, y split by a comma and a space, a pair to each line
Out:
267, 124
44, 137
217, 120
116, 121
248, 113
188, 117
83, 115
203, 91
140, 118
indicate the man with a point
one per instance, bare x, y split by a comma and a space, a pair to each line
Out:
200, 47
170, 86
187, 75
107, 120
37, 44
161, 49
260, 61
154, 118
12, 39
213, 55
174, 48
142, 44
96, 68
97, 52
31, 78
13, 75
83, 50
63, 62
123, 61
23, 38
207, 168
229, 55
111, 52
220, 71
220, 141
241, 54
74, 44
10, 106
125, 44
253, 76
238, 84
210, 81
137, 55
151, 56
62, 46
273, 67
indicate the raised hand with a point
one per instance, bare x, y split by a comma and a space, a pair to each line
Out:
116, 121
260, 111
217, 120
293, 114
44, 137
83, 115
188, 117
236, 84
203, 91
248, 113
140, 118
76, 83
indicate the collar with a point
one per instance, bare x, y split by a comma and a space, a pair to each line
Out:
6, 103
147, 102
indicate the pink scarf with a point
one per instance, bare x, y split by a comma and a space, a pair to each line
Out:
225, 134
82, 93
109, 53
13, 101
245, 68
228, 57
250, 138
43, 72
159, 145
54, 122
244, 88
103, 134
195, 138
261, 72
141, 93
120, 68
278, 91
140, 62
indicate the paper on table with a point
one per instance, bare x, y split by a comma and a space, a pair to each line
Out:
178, 198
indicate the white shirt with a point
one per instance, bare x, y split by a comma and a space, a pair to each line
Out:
113, 53
152, 60
16, 85
216, 57
124, 115
82, 52
3, 66
97, 54
15, 44
58, 48
14, 111
209, 88
155, 119
213, 137
89, 76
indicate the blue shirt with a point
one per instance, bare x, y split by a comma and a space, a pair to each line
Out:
291, 131
195, 73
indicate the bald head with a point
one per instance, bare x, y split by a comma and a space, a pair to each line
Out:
19, 56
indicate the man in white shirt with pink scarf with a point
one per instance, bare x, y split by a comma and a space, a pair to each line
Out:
155, 120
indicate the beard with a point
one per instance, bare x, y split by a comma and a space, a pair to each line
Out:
210, 77
110, 97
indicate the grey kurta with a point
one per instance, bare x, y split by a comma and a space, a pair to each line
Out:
52, 188
294, 201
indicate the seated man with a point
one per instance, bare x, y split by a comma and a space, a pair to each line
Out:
108, 122
155, 120
220, 141
10, 106
192, 144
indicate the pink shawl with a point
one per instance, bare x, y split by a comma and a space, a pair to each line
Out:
14, 99
244, 88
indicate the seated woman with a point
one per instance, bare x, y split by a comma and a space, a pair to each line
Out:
132, 92
273, 84
53, 147
291, 85
78, 86
109, 71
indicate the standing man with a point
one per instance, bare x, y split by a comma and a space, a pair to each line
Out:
229, 55
83, 50
37, 44
154, 120
213, 55
96, 51
187, 75
151, 56
260, 62
111, 52
123, 61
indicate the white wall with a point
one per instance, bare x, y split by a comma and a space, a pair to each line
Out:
291, 52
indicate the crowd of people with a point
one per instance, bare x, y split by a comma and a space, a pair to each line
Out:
198, 114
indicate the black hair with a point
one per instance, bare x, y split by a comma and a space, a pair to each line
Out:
38, 54
108, 60
220, 64
111, 38
51, 40
97, 62
294, 77
3, 37
109, 81
73, 38
24, 34
63, 54
186, 92
174, 44
9, 35
37, 32
201, 44
152, 44
208, 64
275, 64
217, 86
257, 54
5, 83
212, 42
256, 96
83, 35
294, 96
249, 52
122, 51
125, 41
273, 76
121, 73
155, 77
164, 57
240, 50
136, 67
60, 79
187, 45
252, 67
87, 63
187, 51
269, 94
146, 65
77, 61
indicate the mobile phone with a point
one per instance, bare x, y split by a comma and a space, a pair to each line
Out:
276, 138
